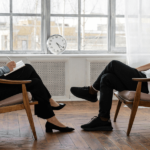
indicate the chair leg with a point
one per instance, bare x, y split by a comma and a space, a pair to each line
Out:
117, 110
28, 110
132, 116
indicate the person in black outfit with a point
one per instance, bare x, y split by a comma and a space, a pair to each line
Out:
116, 76
46, 104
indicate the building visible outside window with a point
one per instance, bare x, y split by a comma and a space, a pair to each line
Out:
24, 45
4, 42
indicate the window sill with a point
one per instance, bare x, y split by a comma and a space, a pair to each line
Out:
62, 55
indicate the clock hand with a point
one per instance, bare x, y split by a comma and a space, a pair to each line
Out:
60, 46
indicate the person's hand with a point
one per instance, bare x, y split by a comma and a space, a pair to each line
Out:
11, 65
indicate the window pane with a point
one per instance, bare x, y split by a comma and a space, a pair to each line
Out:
94, 7
120, 33
27, 6
64, 6
67, 27
4, 6
120, 7
4, 33
94, 32
26, 33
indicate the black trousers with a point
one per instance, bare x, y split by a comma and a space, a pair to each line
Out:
36, 87
116, 76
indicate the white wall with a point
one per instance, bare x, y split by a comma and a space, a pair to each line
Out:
77, 67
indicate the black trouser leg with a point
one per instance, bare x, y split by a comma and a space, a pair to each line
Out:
39, 92
25, 73
116, 76
36, 87
124, 73
108, 82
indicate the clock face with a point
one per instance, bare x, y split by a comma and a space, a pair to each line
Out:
56, 44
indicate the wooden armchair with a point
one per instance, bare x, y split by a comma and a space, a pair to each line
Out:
25, 105
136, 98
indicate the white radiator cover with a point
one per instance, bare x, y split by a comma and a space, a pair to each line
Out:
2, 64
61, 72
95, 70
52, 75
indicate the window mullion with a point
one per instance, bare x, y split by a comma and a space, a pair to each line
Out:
47, 21
109, 25
113, 24
79, 25
43, 27
11, 27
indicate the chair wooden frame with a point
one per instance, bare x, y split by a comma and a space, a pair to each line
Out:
25, 105
133, 105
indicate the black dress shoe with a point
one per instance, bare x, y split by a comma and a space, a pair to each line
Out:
49, 128
61, 105
83, 92
96, 124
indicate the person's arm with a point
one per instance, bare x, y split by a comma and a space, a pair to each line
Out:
4, 70
144, 67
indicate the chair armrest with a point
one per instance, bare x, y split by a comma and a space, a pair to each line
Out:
15, 81
141, 79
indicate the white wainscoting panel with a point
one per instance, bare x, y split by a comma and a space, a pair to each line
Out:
61, 72
2, 64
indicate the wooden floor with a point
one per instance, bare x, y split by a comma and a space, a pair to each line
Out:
15, 133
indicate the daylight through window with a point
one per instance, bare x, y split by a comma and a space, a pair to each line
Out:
96, 26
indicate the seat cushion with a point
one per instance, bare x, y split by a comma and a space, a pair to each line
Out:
16, 99
129, 95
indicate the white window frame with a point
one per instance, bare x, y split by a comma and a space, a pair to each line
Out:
113, 17
11, 15
45, 29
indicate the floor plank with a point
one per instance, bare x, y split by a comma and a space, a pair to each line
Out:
89, 138
105, 141
3, 124
13, 124
15, 132
77, 139
120, 143
134, 144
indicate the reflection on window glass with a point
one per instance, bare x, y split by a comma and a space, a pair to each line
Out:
4, 6
67, 27
120, 39
26, 6
64, 6
27, 33
4, 33
94, 33
120, 7
94, 7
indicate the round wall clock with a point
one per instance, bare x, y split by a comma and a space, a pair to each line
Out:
56, 44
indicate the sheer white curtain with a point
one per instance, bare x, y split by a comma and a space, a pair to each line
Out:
137, 14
